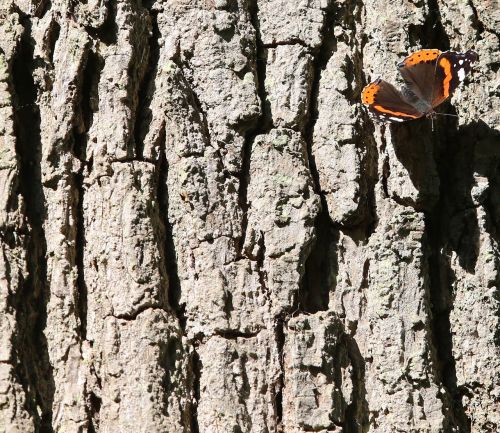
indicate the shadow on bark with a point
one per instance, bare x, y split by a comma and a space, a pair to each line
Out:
320, 267
34, 367
463, 155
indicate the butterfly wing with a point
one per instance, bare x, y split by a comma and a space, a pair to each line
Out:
418, 71
451, 70
387, 103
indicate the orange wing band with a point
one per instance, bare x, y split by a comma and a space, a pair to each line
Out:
446, 65
421, 56
394, 113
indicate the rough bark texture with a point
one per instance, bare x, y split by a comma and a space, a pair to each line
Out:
202, 231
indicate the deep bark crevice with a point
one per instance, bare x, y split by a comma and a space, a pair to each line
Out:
478, 24
195, 369
169, 251
42, 8
433, 33
386, 168
230, 334
279, 385
86, 107
94, 403
356, 414
321, 268
52, 37
261, 256
292, 41
34, 369
107, 33
87, 103
80, 242
146, 87
169, 354
314, 291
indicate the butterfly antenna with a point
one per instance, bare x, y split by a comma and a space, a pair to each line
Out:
446, 114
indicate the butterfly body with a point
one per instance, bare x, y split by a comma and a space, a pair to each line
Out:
430, 77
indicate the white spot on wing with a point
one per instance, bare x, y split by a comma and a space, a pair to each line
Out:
461, 74
396, 119
461, 62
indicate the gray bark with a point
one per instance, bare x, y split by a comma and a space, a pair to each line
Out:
202, 231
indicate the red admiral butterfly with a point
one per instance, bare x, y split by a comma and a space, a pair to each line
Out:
430, 78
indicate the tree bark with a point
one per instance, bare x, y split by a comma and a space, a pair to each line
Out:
202, 231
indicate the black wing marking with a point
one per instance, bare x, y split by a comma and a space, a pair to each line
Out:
451, 70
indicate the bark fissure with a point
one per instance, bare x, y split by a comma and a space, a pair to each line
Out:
107, 33
42, 7
143, 112
314, 291
356, 414
433, 34
292, 41
32, 312
94, 401
261, 256
479, 25
234, 334
386, 168
80, 242
52, 37
169, 251
279, 384
195, 369
88, 102
87, 107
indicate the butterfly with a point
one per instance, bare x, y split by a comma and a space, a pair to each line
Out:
430, 77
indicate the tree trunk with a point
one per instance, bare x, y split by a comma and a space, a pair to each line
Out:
202, 231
